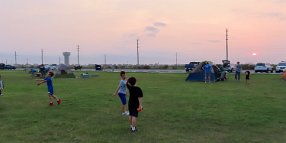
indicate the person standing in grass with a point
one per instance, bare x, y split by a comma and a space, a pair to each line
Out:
1, 86
121, 92
49, 82
237, 71
134, 103
247, 77
208, 71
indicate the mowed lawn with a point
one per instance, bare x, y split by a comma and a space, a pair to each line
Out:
175, 111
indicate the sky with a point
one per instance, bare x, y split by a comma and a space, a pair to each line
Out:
194, 29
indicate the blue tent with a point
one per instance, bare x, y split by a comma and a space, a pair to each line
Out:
198, 74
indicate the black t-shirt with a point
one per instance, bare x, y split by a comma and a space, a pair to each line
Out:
247, 74
134, 93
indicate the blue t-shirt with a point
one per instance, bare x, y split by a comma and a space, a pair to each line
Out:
238, 68
122, 87
49, 84
207, 68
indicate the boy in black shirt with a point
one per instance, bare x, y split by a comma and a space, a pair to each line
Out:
135, 102
247, 77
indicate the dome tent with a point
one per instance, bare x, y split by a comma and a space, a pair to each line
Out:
198, 74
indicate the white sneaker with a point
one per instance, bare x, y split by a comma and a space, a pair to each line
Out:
126, 113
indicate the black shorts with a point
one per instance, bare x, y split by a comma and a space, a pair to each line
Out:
133, 111
247, 77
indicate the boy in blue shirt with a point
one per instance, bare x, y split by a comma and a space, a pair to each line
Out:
1, 86
208, 70
49, 82
121, 91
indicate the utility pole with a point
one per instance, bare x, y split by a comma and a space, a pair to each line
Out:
226, 44
176, 60
104, 59
15, 57
59, 60
42, 56
137, 52
78, 54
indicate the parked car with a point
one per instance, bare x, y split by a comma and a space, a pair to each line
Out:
281, 67
191, 66
263, 67
9, 67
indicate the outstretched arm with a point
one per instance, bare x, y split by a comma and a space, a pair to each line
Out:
40, 81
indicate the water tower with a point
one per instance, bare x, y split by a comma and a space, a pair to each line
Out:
67, 56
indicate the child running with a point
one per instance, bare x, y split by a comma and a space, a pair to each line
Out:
121, 91
134, 103
49, 82
1, 86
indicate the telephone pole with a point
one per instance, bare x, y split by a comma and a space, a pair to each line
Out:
78, 54
42, 56
137, 52
15, 57
104, 59
226, 44
176, 60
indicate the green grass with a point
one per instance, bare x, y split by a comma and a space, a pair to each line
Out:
174, 110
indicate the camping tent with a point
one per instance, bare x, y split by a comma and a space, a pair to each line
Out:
198, 74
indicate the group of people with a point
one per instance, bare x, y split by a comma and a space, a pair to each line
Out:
208, 71
134, 103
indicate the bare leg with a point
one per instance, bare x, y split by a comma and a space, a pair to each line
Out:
55, 97
123, 108
130, 120
51, 99
59, 101
206, 78
134, 121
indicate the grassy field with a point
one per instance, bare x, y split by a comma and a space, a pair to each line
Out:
174, 110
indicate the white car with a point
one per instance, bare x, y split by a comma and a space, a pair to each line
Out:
263, 67
281, 67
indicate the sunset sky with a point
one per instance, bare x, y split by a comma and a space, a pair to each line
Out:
195, 29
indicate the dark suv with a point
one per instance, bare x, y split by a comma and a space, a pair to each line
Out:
9, 67
191, 66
